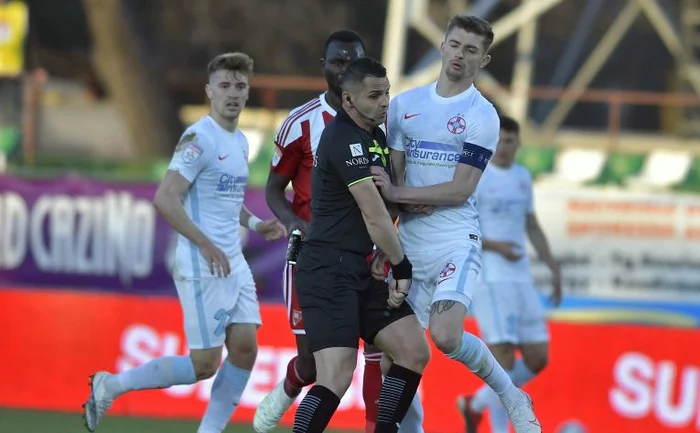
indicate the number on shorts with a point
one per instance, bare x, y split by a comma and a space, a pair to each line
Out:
223, 317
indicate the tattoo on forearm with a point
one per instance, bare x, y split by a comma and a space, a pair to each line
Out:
440, 307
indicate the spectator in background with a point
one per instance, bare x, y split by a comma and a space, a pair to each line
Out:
14, 25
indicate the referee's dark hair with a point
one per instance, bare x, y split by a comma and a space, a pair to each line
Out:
347, 36
509, 124
359, 69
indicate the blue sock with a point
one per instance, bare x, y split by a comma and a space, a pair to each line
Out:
413, 421
520, 375
473, 353
159, 373
226, 392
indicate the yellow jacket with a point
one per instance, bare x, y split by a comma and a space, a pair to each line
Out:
14, 24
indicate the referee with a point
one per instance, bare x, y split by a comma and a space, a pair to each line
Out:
340, 300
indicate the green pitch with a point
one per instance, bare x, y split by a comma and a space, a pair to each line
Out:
26, 421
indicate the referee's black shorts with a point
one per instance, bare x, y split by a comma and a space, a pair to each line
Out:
340, 301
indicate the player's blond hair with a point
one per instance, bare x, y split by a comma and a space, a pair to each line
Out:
234, 62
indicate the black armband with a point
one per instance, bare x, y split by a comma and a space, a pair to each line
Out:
403, 270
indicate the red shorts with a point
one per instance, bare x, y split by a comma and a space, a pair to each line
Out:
296, 321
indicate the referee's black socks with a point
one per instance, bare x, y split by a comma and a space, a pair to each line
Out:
399, 388
316, 410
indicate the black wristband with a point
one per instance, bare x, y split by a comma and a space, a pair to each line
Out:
402, 270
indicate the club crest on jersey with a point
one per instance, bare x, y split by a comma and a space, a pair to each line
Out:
296, 317
356, 149
447, 272
457, 125
191, 153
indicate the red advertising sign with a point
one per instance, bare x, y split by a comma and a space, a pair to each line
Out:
603, 378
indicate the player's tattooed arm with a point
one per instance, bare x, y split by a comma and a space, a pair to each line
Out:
440, 307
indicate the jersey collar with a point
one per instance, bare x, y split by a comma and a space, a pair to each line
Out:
325, 105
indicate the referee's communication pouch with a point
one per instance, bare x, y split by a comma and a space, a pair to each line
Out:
293, 247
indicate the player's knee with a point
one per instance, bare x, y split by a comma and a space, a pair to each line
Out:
343, 379
306, 367
537, 363
243, 353
336, 379
336, 374
445, 339
412, 353
205, 367
416, 356
385, 364
504, 353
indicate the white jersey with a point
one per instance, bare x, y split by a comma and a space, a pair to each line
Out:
504, 197
436, 134
215, 161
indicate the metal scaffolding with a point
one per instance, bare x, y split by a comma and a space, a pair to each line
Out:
514, 98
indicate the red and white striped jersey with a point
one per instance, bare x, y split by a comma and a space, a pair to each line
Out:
295, 147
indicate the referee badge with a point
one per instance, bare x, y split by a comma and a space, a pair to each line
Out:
379, 152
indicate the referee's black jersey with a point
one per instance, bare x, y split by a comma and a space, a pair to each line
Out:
343, 158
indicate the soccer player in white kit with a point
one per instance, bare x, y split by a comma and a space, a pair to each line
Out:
442, 136
201, 197
506, 304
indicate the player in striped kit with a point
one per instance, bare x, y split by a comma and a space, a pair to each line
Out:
295, 148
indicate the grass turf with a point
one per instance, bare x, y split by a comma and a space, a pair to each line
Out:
29, 421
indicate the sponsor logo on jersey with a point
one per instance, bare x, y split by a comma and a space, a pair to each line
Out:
231, 186
431, 153
356, 149
359, 161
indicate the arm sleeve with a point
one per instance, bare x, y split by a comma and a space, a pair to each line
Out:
289, 147
192, 155
393, 128
482, 138
287, 159
351, 160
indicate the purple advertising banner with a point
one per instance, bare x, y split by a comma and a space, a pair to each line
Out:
82, 233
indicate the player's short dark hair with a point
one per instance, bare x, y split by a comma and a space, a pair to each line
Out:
509, 124
236, 62
472, 24
347, 36
359, 69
